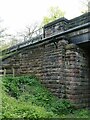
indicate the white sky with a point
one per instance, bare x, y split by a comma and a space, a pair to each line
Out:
17, 14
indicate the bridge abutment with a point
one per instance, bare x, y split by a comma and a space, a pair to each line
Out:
77, 79
63, 68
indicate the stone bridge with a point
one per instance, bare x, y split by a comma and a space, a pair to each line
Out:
61, 61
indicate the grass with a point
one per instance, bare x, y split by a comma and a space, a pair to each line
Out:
25, 97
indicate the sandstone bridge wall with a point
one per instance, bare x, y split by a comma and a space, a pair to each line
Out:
62, 67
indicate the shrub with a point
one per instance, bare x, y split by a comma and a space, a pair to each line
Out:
25, 97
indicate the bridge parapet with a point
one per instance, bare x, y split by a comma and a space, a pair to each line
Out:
76, 29
83, 19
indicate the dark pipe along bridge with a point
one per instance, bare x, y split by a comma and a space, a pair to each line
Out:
58, 54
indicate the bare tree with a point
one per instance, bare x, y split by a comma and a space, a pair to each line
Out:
2, 35
28, 32
85, 6
5, 39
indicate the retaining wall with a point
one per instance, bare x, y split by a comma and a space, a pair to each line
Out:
63, 68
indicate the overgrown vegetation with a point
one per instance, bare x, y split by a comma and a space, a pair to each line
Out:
25, 97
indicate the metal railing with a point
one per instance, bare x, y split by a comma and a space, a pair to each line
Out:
30, 39
38, 36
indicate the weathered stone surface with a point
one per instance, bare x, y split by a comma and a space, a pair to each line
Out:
62, 67
63, 70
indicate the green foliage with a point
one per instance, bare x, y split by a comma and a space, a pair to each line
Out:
13, 108
4, 46
54, 13
25, 97
82, 113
